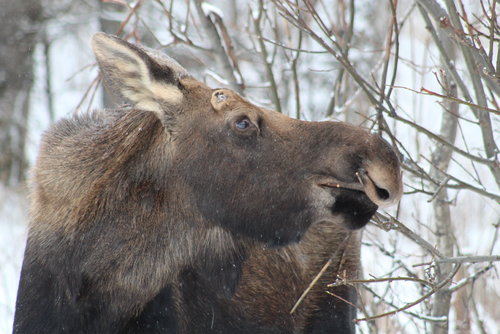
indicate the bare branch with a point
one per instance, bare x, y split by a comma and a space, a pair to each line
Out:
470, 279
257, 21
437, 288
456, 33
476, 63
391, 223
208, 22
339, 252
340, 282
421, 129
469, 259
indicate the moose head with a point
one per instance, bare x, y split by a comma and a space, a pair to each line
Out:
251, 170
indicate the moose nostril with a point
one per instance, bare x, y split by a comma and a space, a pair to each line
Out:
382, 193
383, 190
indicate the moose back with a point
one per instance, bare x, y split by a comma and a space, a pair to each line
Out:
144, 218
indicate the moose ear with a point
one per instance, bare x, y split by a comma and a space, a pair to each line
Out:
144, 78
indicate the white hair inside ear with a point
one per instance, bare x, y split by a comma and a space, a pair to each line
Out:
128, 71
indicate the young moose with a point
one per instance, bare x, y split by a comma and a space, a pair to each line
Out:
143, 217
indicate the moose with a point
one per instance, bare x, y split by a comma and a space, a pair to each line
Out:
191, 210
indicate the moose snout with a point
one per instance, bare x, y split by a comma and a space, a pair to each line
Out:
382, 186
372, 167
381, 176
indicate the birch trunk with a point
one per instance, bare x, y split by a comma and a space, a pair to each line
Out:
444, 230
20, 24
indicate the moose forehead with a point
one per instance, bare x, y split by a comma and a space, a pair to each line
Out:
222, 104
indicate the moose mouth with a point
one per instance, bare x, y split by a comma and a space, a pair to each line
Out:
355, 208
355, 201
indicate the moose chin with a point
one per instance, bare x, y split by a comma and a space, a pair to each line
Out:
191, 210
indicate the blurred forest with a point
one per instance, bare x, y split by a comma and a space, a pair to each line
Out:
424, 74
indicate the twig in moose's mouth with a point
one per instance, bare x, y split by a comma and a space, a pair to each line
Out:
345, 185
341, 185
359, 178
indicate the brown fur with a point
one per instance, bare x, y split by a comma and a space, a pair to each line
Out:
274, 279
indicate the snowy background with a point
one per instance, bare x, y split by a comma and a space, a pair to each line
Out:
473, 216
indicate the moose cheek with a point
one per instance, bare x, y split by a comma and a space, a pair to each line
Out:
264, 214
283, 237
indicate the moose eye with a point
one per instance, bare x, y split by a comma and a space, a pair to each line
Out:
243, 124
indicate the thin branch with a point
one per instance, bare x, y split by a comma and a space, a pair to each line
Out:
311, 285
418, 301
132, 11
495, 236
378, 280
457, 100
393, 27
469, 259
391, 223
298, 22
346, 46
48, 78
438, 189
452, 26
440, 140
91, 88
340, 251
295, 75
464, 185
265, 57
470, 279
448, 62
413, 314
480, 323
342, 299
456, 33
281, 45
210, 28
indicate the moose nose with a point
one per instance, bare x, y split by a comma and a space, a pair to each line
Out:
381, 188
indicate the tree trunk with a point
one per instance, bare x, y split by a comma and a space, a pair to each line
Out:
20, 24
441, 157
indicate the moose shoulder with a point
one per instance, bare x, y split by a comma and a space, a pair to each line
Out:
141, 217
